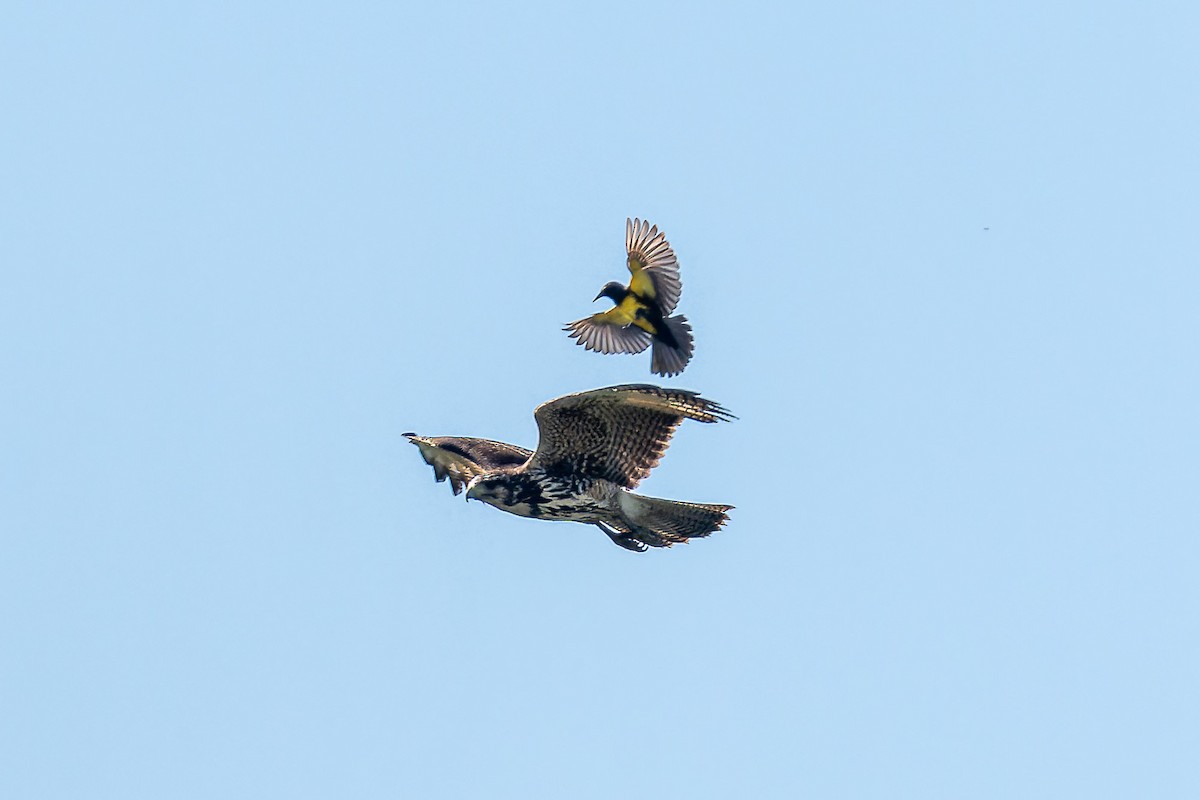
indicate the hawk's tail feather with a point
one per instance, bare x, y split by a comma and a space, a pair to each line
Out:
667, 360
662, 523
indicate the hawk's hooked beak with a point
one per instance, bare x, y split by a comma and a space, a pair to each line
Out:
473, 489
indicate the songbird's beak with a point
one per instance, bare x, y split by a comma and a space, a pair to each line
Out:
597, 297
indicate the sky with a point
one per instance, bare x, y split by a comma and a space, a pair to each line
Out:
940, 260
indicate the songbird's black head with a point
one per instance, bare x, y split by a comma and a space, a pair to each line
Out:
613, 290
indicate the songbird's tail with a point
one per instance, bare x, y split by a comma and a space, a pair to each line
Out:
662, 523
667, 360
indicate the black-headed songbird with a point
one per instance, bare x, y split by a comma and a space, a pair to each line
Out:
641, 315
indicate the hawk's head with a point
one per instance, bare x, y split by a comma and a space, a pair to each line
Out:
492, 489
513, 492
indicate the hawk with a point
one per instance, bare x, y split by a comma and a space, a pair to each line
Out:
593, 448
641, 314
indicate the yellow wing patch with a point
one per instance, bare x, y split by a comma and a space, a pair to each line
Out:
641, 283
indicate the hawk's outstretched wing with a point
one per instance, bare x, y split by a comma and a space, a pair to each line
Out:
652, 262
461, 458
618, 433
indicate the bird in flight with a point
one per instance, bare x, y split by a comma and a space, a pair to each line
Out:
641, 314
461, 458
593, 448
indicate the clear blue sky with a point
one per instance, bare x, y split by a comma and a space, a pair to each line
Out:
940, 259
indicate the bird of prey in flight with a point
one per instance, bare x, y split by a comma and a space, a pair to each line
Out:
593, 448
641, 315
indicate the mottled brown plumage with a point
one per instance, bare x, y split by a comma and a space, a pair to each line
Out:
619, 433
461, 458
593, 447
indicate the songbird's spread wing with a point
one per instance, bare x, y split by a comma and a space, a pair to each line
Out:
618, 433
461, 458
653, 265
609, 332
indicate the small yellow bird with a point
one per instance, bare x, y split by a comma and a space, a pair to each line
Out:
641, 314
